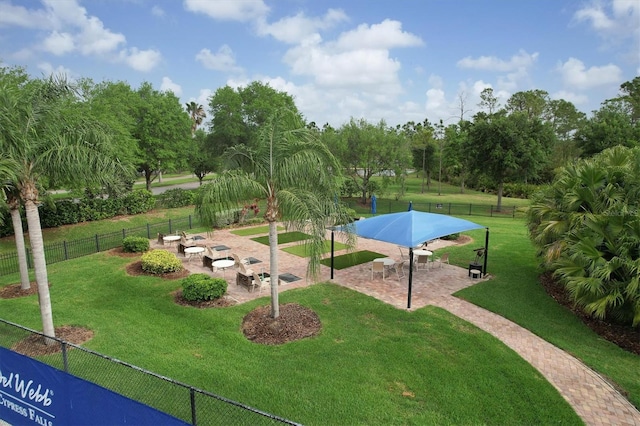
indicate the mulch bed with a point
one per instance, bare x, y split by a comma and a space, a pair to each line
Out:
135, 269
625, 337
294, 323
34, 345
221, 302
12, 291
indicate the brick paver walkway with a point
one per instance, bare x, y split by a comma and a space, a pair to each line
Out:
592, 397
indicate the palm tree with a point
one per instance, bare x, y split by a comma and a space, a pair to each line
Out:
587, 227
49, 137
197, 114
296, 174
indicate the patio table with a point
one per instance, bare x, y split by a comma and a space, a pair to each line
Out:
193, 251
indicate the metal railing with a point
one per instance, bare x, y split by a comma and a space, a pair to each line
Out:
190, 404
65, 250
453, 209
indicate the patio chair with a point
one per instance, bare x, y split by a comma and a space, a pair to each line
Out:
399, 268
442, 259
239, 261
377, 267
403, 254
422, 260
160, 238
257, 281
244, 270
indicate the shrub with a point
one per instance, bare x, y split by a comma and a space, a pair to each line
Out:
139, 201
199, 287
451, 237
176, 197
160, 262
135, 245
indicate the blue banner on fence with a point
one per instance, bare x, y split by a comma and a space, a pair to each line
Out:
33, 393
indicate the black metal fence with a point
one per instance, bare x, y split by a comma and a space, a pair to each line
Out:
190, 404
454, 209
65, 250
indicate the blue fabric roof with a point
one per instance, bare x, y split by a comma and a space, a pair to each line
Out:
411, 228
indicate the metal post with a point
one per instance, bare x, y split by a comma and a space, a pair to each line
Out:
332, 246
97, 243
148, 230
192, 397
169, 225
486, 252
410, 277
66, 252
65, 360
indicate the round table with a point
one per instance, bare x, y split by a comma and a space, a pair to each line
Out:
421, 252
171, 238
386, 260
223, 264
193, 251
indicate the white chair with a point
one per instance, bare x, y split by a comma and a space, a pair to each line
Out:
399, 268
377, 267
257, 281
422, 260
238, 261
403, 255
443, 259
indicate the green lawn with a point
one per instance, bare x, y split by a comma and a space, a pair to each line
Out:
351, 259
245, 232
301, 249
284, 238
371, 363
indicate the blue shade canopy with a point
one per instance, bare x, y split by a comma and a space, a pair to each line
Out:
411, 228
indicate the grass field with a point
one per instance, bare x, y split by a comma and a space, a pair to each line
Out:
371, 363
514, 293
351, 259
301, 250
284, 238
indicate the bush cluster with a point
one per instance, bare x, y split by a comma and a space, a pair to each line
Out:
135, 245
160, 262
85, 209
200, 287
176, 197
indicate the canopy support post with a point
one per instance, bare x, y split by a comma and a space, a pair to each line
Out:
486, 251
410, 276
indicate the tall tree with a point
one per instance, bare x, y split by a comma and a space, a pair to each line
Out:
609, 126
373, 150
507, 147
531, 102
237, 114
162, 131
488, 101
46, 133
566, 121
197, 114
202, 160
277, 168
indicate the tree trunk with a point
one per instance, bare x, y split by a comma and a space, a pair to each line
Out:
499, 206
273, 270
20, 246
40, 266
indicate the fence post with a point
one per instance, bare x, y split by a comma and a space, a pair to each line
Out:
64, 248
124, 233
170, 226
192, 396
65, 359
470, 205
491, 211
449, 209
513, 212
148, 230
190, 223
97, 243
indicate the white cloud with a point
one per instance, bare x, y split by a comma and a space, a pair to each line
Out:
157, 11
49, 70
615, 21
574, 73
575, 98
169, 86
223, 60
71, 29
293, 29
141, 60
22, 17
229, 10
436, 101
522, 60
59, 43
386, 35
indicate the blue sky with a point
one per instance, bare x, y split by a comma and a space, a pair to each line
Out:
396, 60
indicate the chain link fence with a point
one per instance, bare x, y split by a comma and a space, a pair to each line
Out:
190, 404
